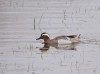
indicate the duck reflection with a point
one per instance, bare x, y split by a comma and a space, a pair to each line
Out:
45, 47
63, 46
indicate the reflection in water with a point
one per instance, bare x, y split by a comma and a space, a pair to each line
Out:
45, 48
61, 46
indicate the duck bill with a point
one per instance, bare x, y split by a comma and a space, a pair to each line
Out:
38, 38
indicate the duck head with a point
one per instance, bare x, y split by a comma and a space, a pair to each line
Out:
44, 36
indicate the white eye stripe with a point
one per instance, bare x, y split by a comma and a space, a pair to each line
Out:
45, 35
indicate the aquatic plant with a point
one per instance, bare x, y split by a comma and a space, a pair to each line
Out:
38, 23
34, 24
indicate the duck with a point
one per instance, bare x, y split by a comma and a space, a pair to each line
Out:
62, 39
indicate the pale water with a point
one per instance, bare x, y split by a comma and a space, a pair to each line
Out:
20, 53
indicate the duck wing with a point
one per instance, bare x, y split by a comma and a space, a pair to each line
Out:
72, 36
61, 37
65, 37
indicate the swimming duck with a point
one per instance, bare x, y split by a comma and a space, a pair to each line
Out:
63, 39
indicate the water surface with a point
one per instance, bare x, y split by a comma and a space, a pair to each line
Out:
20, 53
